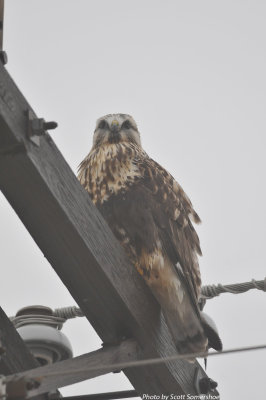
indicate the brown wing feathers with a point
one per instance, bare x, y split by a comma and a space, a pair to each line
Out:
150, 215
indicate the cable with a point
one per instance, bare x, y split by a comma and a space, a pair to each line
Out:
207, 292
50, 320
210, 291
68, 312
150, 361
60, 315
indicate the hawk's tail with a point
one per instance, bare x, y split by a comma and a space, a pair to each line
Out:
181, 313
187, 330
211, 331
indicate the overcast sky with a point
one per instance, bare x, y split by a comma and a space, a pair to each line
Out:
192, 74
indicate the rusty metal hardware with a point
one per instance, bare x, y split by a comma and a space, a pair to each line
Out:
204, 385
18, 389
37, 127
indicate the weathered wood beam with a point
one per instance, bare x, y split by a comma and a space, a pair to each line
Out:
81, 248
68, 372
15, 357
1, 23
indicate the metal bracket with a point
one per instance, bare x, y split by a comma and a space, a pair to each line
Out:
37, 127
54, 395
204, 385
18, 389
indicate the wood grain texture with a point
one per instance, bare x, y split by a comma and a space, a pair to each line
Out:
16, 357
81, 248
75, 370
1, 23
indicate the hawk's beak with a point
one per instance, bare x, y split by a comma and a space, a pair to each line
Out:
115, 126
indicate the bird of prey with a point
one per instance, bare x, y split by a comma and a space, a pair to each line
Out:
151, 216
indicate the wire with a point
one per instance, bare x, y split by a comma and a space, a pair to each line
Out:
60, 315
207, 292
145, 362
210, 291
68, 312
50, 320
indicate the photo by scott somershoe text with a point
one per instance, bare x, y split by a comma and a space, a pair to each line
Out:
181, 397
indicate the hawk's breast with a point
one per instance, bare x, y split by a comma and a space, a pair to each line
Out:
110, 169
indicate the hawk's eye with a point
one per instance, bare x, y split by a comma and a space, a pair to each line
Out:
126, 125
102, 124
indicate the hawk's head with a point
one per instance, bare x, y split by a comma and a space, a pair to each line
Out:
116, 128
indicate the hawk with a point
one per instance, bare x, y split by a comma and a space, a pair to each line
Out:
151, 216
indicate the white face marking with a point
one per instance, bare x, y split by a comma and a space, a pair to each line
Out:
116, 128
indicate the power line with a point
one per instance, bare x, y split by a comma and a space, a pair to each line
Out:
210, 291
207, 292
61, 315
150, 361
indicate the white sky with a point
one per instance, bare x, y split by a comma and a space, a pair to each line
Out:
192, 74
